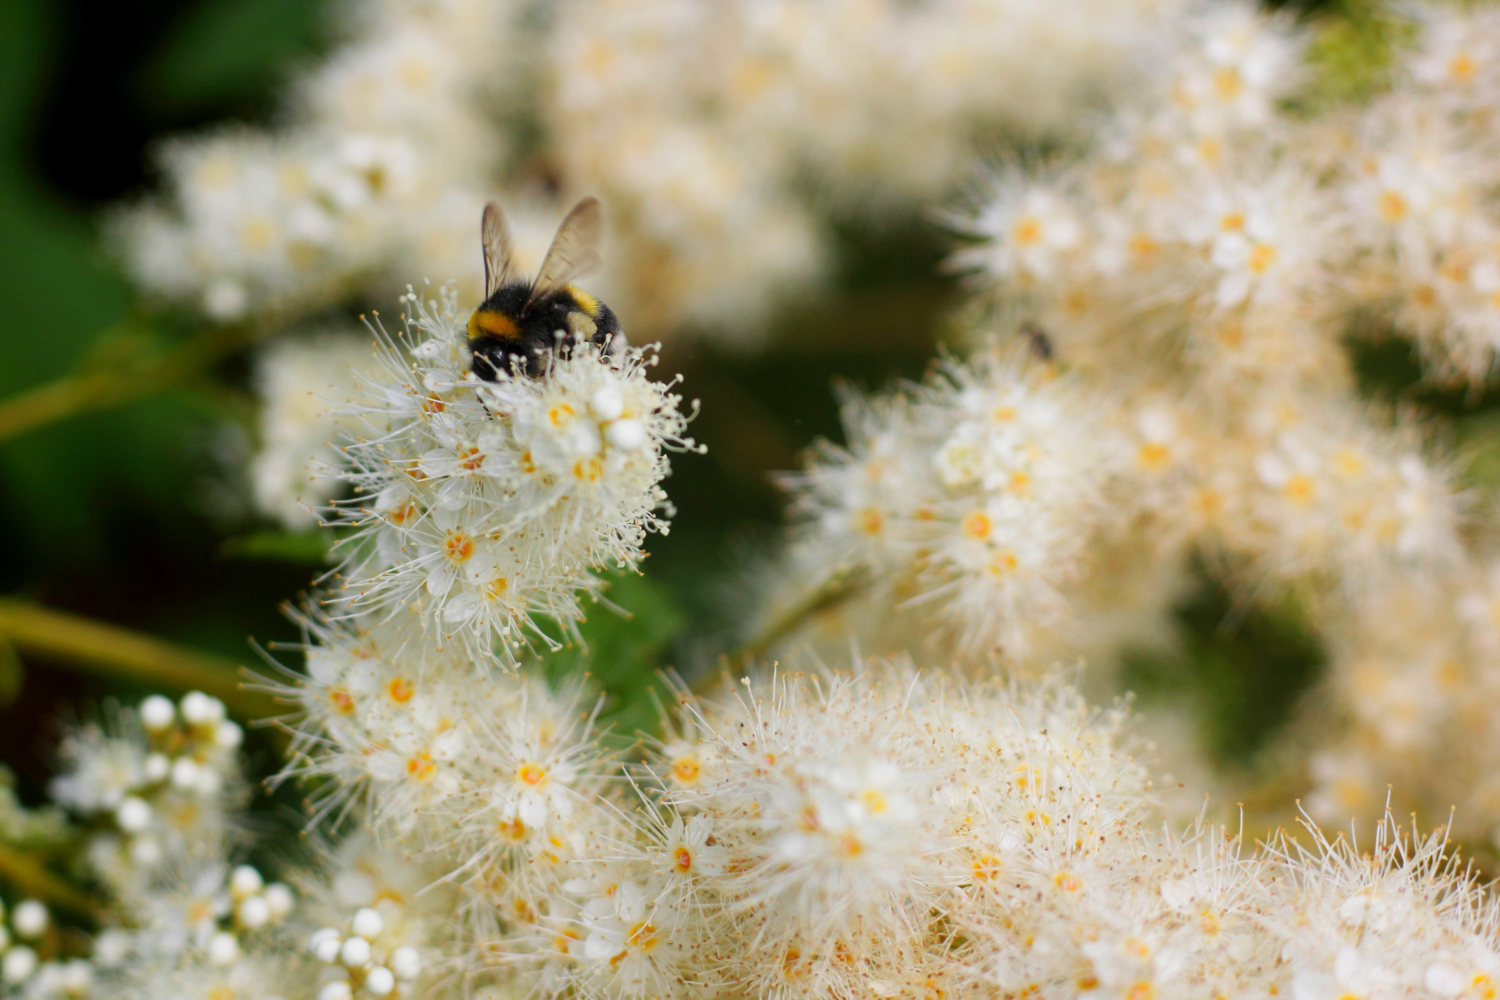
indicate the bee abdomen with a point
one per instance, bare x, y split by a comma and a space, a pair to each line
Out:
486, 323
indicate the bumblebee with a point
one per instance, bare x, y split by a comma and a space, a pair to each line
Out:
520, 322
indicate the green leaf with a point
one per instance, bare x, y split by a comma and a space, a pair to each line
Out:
304, 547
1243, 668
623, 654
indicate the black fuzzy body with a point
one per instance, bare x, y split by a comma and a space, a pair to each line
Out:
531, 332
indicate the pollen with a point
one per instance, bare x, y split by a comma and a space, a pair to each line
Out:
1393, 207
560, 414
871, 521
471, 459
531, 774
512, 829
1262, 257
400, 691
341, 700
458, 547
1232, 222
1462, 67
1300, 490
1140, 991
977, 525
682, 860
1153, 456
1003, 564
686, 770
1227, 83
420, 766
986, 867
642, 936
1027, 231
874, 802
1067, 882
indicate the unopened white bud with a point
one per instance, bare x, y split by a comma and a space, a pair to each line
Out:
228, 735
223, 948
145, 851
254, 913
29, 920
184, 773
367, 923
199, 709
336, 990
626, 435
77, 978
406, 963
18, 965
279, 898
157, 713
379, 981
133, 815
111, 948
245, 881
209, 782
158, 766
324, 944
607, 403
354, 952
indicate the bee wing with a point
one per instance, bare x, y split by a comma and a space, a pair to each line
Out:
495, 235
574, 251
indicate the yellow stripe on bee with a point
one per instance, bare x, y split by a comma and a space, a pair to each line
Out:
585, 301
485, 323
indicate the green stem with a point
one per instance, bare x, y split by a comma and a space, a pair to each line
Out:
836, 589
104, 387
122, 654
31, 879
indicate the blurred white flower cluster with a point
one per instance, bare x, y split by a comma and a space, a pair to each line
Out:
1187, 287
700, 124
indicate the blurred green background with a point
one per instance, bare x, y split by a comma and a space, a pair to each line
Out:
127, 515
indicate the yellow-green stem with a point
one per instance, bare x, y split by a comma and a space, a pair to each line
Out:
836, 589
103, 387
120, 653
27, 876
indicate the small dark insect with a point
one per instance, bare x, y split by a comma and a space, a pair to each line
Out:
1041, 344
520, 322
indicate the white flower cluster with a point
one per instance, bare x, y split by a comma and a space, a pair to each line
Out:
699, 123
976, 492
161, 782
302, 383
479, 506
1194, 277
882, 832
1240, 254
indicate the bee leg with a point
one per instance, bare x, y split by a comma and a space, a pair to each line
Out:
582, 328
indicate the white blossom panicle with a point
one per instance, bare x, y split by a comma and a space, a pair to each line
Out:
975, 493
162, 780
700, 126
302, 385
480, 507
1406, 918
378, 921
